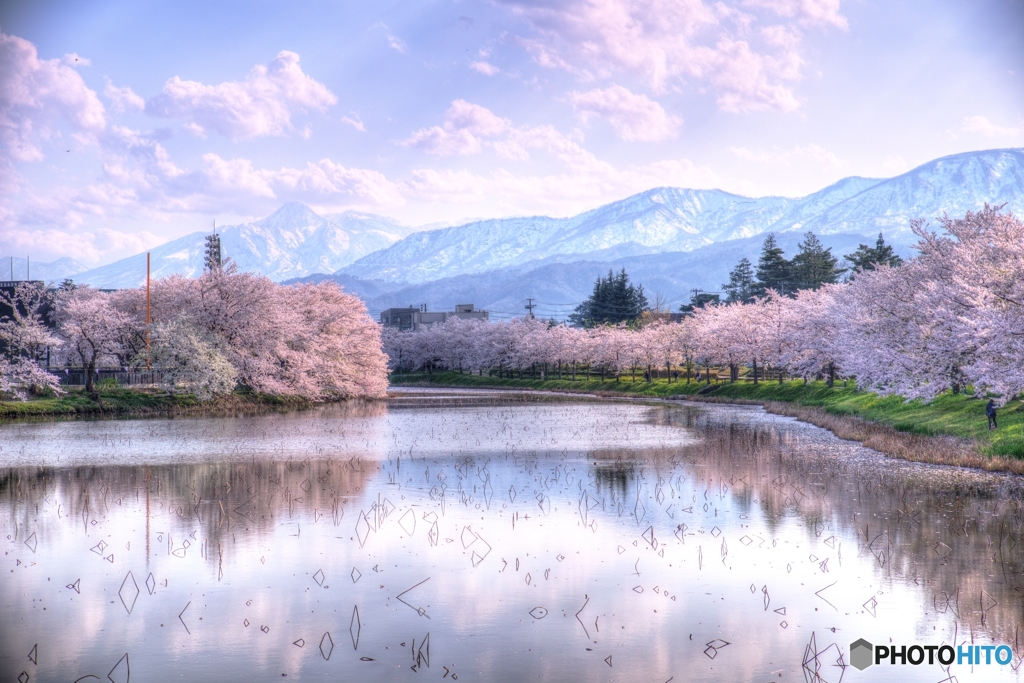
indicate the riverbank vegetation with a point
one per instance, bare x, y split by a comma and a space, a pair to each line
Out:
111, 401
960, 417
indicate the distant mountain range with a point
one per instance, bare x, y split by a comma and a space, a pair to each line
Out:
670, 240
291, 242
21, 268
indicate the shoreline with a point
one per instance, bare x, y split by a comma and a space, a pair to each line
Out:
122, 402
907, 439
888, 439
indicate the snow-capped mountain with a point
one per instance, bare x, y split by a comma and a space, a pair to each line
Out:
292, 242
556, 286
676, 220
295, 242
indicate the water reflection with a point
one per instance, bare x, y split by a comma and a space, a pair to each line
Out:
491, 541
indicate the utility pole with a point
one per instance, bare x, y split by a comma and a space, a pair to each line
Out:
530, 306
149, 318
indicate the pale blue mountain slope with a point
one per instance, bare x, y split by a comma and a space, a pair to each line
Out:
558, 287
295, 242
292, 242
670, 219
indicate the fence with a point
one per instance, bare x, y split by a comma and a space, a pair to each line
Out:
75, 377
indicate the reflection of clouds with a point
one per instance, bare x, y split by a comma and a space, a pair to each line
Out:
338, 430
261, 526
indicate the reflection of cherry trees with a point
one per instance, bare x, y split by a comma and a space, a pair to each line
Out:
314, 341
952, 317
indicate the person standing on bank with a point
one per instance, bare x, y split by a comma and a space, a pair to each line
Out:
990, 410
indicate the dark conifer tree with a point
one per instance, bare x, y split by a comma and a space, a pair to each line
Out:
773, 270
815, 265
741, 286
867, 258
613, 300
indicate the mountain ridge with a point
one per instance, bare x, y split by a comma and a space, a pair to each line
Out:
295, 242
673, 219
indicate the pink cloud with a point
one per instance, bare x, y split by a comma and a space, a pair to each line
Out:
122, 99
635, 118
260, 105
485, 68
462, 133
748, 61
36, 94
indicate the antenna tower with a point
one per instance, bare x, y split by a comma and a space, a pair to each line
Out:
212, 262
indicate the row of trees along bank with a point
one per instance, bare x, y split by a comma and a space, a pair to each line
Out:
950, 318
208, 335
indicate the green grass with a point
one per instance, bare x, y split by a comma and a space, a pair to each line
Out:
137, 401
954, 415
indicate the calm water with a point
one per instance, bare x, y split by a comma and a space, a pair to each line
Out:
481, 539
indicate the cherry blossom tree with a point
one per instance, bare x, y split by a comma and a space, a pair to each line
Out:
24, 340
91, 328
190, 361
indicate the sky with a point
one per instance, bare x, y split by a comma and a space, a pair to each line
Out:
125, 124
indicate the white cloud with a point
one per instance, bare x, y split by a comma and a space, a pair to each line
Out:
805, 12
122, 99
980, 124
354, 122
635, 118
397, 44
35, 95
90, 246
75, 60
394, 42
582, 185
485, 68
463, 131
582, 182
750, 62
260, 105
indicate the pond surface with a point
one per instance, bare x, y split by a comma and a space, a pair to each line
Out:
476, 536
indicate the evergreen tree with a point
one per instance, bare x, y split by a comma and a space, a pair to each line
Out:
815, 265
741, 286
773, 270
699, 300
614, 300
866, 258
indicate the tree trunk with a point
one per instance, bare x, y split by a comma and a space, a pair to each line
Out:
668, 372
755, 372
831, 374
90, 377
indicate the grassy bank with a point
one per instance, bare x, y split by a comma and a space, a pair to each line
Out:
137, 401
956, 416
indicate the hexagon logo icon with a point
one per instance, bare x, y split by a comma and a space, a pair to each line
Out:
861, 654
